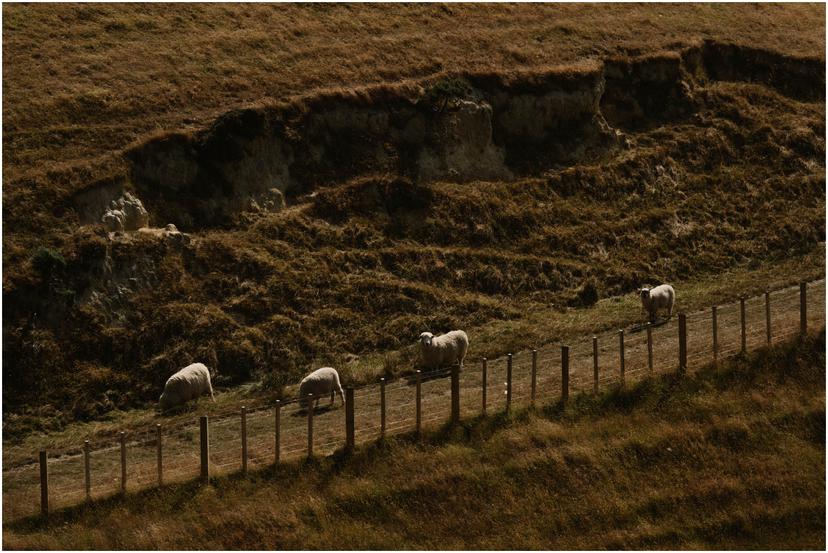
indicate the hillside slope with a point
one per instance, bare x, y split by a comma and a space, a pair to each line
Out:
725, 459
641, 165
81, 82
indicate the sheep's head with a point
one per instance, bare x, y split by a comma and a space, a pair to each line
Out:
426, 338
644, 293
166, 401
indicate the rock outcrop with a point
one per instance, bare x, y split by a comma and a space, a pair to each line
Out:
461, 146
125, 213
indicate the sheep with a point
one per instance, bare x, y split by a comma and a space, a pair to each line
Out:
660, 297
321, 381
448, 349
189, 383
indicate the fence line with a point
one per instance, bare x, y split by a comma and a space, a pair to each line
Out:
234, 440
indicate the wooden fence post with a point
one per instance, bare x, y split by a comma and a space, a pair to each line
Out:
715, 335
87, 473
44, 484
382, 408
803, 308
768, 315
744, 324
159, 457
508, 381
455, 394
349, 419
595, 364
682, 342
485, 383
564, 374
277, 438
244, 439
122, 436
650, 346
534, 373
621, 353
205, 449
310, 426
419, 406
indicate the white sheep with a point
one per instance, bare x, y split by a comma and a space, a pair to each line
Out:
321, 381
189, 383
660, 297
448, 349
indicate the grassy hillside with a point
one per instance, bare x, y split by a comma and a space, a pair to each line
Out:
732, 179
725, 459
364, 268
82, 81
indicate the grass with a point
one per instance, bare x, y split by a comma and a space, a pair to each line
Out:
83, 81
721, 196
724, 459
92, 327
344, 273
492, 340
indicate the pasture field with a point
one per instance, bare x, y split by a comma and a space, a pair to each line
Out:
721, 459
348, 176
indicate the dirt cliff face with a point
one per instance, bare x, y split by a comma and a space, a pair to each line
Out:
443, 204
460, 128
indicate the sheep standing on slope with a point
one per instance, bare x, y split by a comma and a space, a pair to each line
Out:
660, 297
447, 349
189, 383
321, 381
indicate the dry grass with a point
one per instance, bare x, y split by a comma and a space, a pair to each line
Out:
25, 435
83, 81
721, 460
361, 269
340, 273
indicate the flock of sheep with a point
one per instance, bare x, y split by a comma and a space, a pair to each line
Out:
193, 381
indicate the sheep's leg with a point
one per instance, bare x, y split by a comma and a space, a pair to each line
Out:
333, 393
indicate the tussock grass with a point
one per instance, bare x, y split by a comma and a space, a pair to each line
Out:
723, 459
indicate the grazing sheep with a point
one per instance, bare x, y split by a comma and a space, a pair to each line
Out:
660, 297
447, 349
189, 383
321, 381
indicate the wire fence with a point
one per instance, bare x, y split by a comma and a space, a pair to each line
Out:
165, 455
